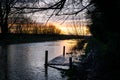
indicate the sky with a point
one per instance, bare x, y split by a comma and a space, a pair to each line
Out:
62, 21
70, 6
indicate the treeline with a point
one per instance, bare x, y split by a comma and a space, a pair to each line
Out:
35, 28
24, 24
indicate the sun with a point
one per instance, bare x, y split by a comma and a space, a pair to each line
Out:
62, 28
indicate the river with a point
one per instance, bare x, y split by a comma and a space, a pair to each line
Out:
26, 61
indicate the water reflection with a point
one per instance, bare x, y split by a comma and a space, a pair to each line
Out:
3, 62
26, 61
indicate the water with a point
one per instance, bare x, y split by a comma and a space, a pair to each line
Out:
26, 61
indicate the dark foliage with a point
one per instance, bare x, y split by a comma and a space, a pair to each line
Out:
105, 29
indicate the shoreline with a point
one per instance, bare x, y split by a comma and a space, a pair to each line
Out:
6, 39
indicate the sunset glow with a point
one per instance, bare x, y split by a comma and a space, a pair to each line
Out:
77, 30
40, 28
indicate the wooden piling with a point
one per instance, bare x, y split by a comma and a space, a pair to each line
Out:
46, 70
63, 50
70, 62
46, 58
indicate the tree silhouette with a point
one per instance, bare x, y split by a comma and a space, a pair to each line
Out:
105, 29
9, 7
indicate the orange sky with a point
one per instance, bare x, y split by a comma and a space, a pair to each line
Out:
69, 29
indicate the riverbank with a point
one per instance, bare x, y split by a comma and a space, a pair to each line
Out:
28, 38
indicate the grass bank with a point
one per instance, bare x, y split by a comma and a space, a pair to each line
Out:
29, 38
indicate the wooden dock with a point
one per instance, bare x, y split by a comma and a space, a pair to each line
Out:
62, 60
63, 63
59, 60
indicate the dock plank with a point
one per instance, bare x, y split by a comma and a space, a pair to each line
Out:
59, 60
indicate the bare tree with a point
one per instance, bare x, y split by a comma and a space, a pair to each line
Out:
61, 7
6, 9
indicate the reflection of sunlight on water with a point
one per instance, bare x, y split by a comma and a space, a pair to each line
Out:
73, 49
26, 61
69, 44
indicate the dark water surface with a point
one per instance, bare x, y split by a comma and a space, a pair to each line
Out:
26, 61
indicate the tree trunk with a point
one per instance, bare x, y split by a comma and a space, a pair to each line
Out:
4, 29
4, 25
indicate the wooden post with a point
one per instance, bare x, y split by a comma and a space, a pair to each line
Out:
70, 62
46, 58
46, 70
63, 50
46, 63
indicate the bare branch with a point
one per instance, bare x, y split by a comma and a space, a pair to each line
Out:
50, 17
76, 12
